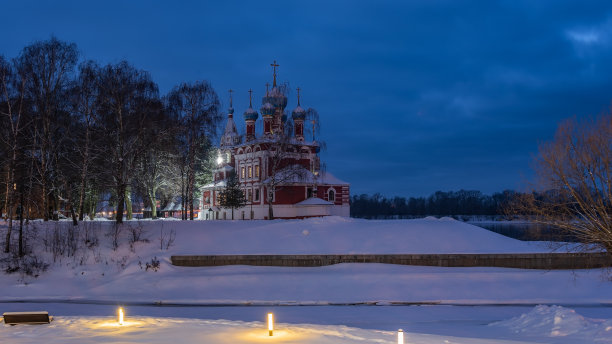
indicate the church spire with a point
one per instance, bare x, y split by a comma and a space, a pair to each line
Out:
250, 98
230, 110
298, 94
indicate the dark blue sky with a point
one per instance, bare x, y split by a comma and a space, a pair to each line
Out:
414, 96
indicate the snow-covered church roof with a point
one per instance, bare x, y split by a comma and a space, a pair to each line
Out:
296, 174
314, 201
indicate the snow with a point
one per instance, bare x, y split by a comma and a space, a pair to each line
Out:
101, 276
542, 324
314, 201
557, 321
299, 174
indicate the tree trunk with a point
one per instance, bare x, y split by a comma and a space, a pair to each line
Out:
21, 243
6, 196
7, 244
128, 202
153, 201
270, 210
84, 175
120, 200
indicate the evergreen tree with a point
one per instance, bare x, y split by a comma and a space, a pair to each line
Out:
232, 196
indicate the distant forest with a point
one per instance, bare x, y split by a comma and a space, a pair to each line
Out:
440, 203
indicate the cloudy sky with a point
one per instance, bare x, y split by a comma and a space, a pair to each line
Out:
413, 96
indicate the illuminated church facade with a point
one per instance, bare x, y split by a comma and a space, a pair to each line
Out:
277, 167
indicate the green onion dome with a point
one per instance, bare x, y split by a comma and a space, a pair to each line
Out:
267, 109
298, 113
250, 114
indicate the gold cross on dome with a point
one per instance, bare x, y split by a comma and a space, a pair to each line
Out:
274, 65
250, 97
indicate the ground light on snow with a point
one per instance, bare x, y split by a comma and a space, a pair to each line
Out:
543, 324
120, 315
84, 330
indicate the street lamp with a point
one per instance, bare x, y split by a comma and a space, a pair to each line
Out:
219, 160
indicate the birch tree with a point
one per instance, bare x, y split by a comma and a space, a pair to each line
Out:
12, 107
127, 97
195, 107
47, 67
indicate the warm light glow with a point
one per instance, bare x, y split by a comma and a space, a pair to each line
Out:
219, 160
270, 323
400, 336
120, 316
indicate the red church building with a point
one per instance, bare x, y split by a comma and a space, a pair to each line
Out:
276, 167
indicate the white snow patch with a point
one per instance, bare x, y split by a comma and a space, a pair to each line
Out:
557, 321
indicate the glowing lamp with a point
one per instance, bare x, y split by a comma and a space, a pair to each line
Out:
219, 160
270, 324
400, 336
120, 319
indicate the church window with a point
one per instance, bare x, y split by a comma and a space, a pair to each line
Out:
242, 172
256, 195
256, 171
331, 196
250, 171
250, 195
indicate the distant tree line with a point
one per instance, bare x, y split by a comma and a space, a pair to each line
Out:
74, 133
440, 203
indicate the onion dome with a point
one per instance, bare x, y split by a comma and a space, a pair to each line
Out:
267, 109
250, 114
298, 113
276, 98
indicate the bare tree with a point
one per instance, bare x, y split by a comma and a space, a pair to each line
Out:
158, 169
196, 108
282, 164
575, 182
12, 107
84, 97
127, 98
47, 67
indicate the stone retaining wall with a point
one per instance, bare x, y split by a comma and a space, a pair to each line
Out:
546, 261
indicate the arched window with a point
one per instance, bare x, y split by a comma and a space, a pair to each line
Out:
331, 195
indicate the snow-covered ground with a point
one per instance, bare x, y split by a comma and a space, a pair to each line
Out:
101, 277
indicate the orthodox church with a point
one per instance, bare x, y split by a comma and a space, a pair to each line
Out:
278, 169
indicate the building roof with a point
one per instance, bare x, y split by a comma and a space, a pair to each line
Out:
314, 201
297, 174
217, 184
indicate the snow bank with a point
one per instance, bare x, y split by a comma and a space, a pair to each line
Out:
339, 235
557, 321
